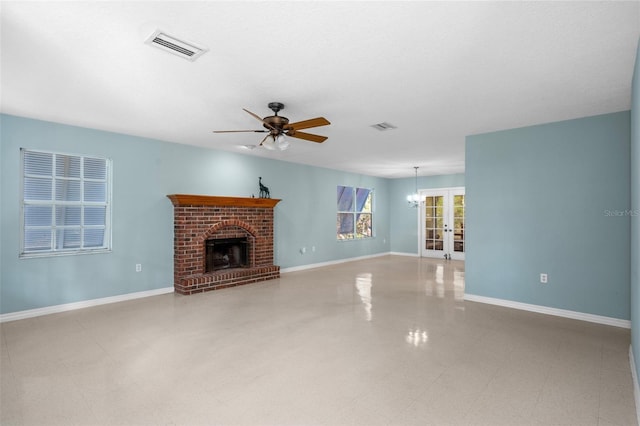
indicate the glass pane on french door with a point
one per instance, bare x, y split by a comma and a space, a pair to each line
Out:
458, 223
434, 223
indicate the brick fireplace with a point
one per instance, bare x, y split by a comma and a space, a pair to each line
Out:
201, 220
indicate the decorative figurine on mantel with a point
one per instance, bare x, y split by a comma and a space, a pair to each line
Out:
264, 191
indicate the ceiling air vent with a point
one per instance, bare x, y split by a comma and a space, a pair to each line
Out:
187, 50
383, 126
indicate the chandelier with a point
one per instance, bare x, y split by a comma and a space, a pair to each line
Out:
414, 199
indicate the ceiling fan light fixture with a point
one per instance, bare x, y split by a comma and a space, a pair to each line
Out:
269, 144
281, 142
275, 143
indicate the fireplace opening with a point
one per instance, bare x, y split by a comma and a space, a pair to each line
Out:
226, 253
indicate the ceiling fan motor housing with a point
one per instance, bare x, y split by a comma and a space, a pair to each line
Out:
277, 122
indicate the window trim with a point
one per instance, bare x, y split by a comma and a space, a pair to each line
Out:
53, 252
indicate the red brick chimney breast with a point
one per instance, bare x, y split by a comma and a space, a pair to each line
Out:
198, 218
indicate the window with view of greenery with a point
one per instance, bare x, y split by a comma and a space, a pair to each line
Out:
66, 205
355, 213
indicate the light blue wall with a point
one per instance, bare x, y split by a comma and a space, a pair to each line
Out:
404, 218
635, 218
546, 199
583, 158
144, 172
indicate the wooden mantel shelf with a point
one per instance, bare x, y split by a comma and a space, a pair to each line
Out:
209, 200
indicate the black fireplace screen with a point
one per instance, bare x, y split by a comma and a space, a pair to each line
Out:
226, 253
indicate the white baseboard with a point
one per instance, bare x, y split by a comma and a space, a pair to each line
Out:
397, 253
550, 311
636, 388
331, 262
30, 313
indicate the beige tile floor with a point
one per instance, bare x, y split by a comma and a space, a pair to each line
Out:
385, 341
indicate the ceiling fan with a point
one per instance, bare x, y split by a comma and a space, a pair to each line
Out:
278, 127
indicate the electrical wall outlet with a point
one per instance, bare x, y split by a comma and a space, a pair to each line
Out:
138, 267
543, 278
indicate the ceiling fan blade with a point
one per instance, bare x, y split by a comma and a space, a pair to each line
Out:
306, 124
239, 131
257, 117
307, 136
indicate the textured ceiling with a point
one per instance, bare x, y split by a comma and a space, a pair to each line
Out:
437, 70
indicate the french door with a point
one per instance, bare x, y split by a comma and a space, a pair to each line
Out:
442, 223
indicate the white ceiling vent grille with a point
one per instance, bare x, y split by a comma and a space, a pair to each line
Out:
384, 126
187, 50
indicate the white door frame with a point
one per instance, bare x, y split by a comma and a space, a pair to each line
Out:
448, 193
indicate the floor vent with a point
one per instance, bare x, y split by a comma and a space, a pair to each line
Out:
187, 50
384, 126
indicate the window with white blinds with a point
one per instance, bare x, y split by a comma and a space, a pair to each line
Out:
66, 205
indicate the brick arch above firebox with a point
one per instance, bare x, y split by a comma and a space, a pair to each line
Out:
232, 223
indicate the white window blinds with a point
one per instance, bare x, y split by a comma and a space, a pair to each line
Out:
65, 203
